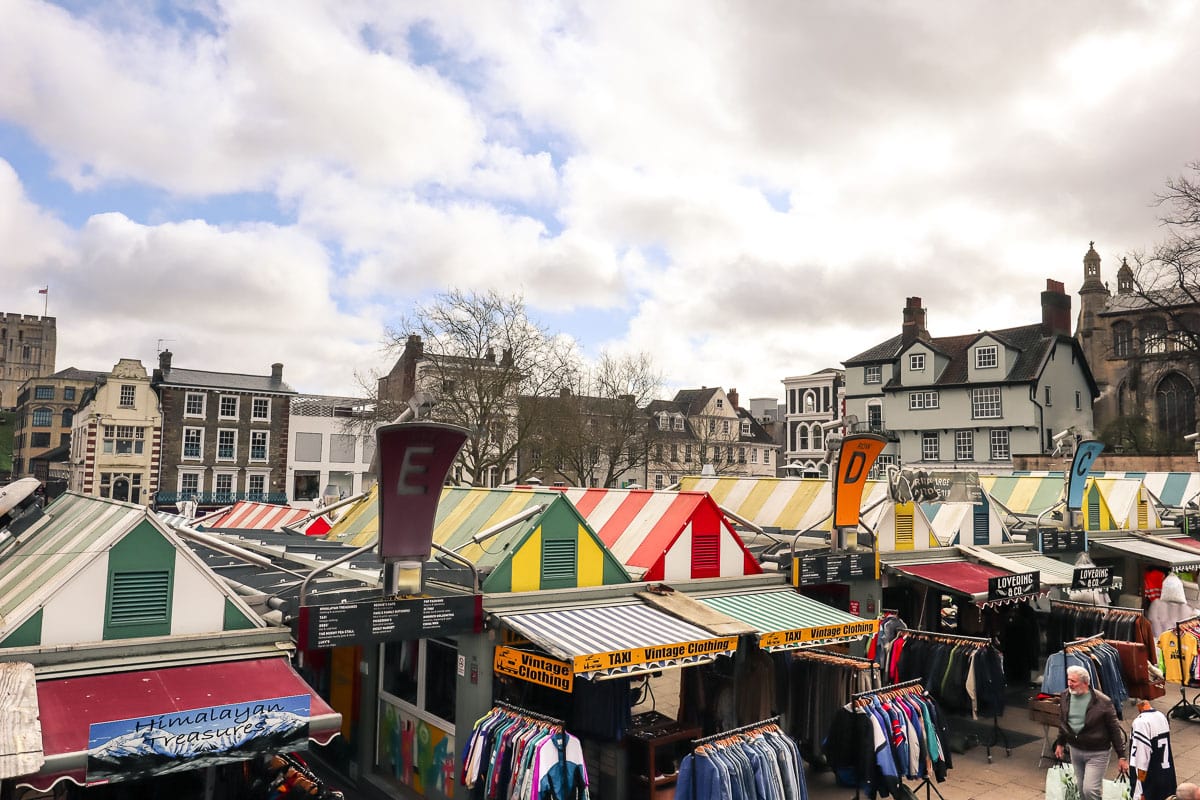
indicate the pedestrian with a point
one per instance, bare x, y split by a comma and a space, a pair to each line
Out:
1151, 755
1186, 791
1088, 723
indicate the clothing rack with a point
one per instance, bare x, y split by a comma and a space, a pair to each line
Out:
1095, 638
734, 731
937, 635
913, 686
1189, 625
998, 734
1077, 604
527, 713
820, 655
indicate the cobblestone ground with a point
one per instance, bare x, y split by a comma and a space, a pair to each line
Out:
1020, 776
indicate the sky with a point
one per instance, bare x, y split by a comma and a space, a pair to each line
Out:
745, 190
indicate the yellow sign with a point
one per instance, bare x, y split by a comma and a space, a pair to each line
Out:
658, 652
844, 630
535, 669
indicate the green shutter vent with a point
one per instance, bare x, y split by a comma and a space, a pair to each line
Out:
558, 559
139, 598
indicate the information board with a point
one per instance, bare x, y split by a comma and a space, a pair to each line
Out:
1055, 540
388, 620
812, 569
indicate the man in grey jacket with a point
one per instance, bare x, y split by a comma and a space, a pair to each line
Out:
1088, 723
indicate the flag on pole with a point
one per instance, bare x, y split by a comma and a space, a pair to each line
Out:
45, 290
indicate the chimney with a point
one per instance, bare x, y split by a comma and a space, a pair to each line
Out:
414, 346
277, 373
733, 398
1056, 309
914, 322
164, 361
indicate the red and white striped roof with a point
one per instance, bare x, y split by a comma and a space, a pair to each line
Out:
246, 515
665, 535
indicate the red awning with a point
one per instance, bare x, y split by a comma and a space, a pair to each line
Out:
69, 706
1183, 541
957, 577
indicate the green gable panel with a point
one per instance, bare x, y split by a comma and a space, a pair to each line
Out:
141, 578
28, 635
235, 620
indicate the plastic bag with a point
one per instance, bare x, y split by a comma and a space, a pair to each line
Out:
1060, 783
1120, 789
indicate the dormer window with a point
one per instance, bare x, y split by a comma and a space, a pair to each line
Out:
664, 422
916, 362
679, 423
986, 357
745, 427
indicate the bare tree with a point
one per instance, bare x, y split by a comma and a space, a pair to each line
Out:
474, 354
595, 430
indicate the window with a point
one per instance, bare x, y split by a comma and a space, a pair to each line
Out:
260, 409
422, 673
1154, 336
193, 405
193, 442
1000, 446
766, 456
720, 403
916, 362
810, 402
226, 444
873, 374
43, 393
258, 445
716, 453
123, 440
679, 423
1122, 339
39, 439
68, 393
753, 455
985, 403
929, 446
128, 392
308, 447
986, 357
964, 445
664, 422
223, 483
745, 427
1078, 401
256, 486
228, 408
341, 448
658, 452
922, 400
687, 453
1049, 402
68, 416
674, 452
306, 485
741, 455
658, 481
802, 437
43, 417
724, 427
189, 483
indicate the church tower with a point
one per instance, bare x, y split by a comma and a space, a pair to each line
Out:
1093, 297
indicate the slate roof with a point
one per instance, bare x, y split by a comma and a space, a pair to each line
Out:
1170, 299
233, 381
1031, 342
758, 434
73, 374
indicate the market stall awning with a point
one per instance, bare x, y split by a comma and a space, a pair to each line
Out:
599, 641
100, 728
962, 578
1174, 558
21, 733
786, 620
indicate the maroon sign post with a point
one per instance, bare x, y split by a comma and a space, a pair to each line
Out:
414, 459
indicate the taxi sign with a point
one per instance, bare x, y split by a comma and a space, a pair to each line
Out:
820, 633
660, 652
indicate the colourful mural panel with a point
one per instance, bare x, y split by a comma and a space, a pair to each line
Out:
415, 753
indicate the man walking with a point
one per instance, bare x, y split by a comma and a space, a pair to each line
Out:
1088, 723
1151, 755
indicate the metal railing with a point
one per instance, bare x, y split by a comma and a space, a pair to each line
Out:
220, 498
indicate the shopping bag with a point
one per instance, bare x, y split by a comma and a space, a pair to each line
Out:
1119, 789
1060, 783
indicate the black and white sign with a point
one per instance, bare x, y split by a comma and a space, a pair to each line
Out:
1092, 578
388, 620
1059, 541
816, 568
1007, 587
